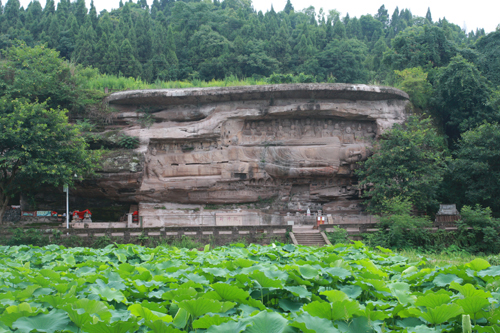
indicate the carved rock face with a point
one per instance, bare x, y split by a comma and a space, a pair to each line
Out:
299, 143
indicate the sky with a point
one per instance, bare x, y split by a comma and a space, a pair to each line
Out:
472, 15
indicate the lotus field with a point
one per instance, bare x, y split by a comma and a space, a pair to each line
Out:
342, 288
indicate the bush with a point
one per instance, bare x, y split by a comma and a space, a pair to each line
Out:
398, 228
128, 142
338, 236
478, 231
186, 242
28, 237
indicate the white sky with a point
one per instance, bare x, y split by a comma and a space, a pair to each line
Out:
475, 14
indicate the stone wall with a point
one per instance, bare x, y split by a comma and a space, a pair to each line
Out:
12, 215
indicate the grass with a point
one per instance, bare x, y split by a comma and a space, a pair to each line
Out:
96, 81
440, 259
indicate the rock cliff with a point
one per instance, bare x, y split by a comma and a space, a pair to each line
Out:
297, 143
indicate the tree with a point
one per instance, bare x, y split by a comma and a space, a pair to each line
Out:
420, 46
382, 16
38, 147
37, 74
428, 16
80, 11
414, 82
409, 162
343, 59
462, 97
476, 169
10, 15
129, 66
489, 59
37, 144
288, 7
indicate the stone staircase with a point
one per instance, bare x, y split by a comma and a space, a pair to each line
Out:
309, 238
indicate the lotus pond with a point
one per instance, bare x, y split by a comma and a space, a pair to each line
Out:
342, 288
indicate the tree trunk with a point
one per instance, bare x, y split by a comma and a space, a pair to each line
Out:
4, 200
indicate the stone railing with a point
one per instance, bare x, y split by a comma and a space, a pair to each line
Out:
354, 228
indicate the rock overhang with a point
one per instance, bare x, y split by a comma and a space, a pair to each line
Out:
311, 91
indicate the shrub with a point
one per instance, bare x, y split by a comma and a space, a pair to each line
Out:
128, 142
398, 228
478, 231
27, 237
338, 236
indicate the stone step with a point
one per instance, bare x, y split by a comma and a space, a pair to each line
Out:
320, 239
308, 239
314, 236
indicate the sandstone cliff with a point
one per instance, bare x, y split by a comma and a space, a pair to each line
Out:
298, 144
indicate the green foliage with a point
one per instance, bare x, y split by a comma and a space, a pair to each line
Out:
338, 236
489, 59
399, 229
186, 242
475, 172
27, 237
32, 150
478, 231
85, 125
420, 46
343, 59
462, 97
408, 162
128, 142
102, 241
277, 78
341, 288
414, 82
146, 120
37, 74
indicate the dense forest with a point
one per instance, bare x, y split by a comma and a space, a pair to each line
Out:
449, 153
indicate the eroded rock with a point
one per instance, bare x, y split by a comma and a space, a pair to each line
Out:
296, 143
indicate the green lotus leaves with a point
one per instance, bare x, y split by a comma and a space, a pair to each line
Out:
49, 323
139, 311
263, 281
401, 291
203, 306
491, 271
281, 288
298, 291
14, 312
308, 272
442, 280
108, 294
472, 305
208, 321
339, 310
160, 326
127, 326
478, 264
228, 292
335, 295
269, 322
229, 327
468, 290
309, 324
433, 300
441, 314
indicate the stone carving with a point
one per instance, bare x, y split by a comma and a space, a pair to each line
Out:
298, 144
279, 130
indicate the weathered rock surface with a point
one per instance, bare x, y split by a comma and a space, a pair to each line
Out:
296, 143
